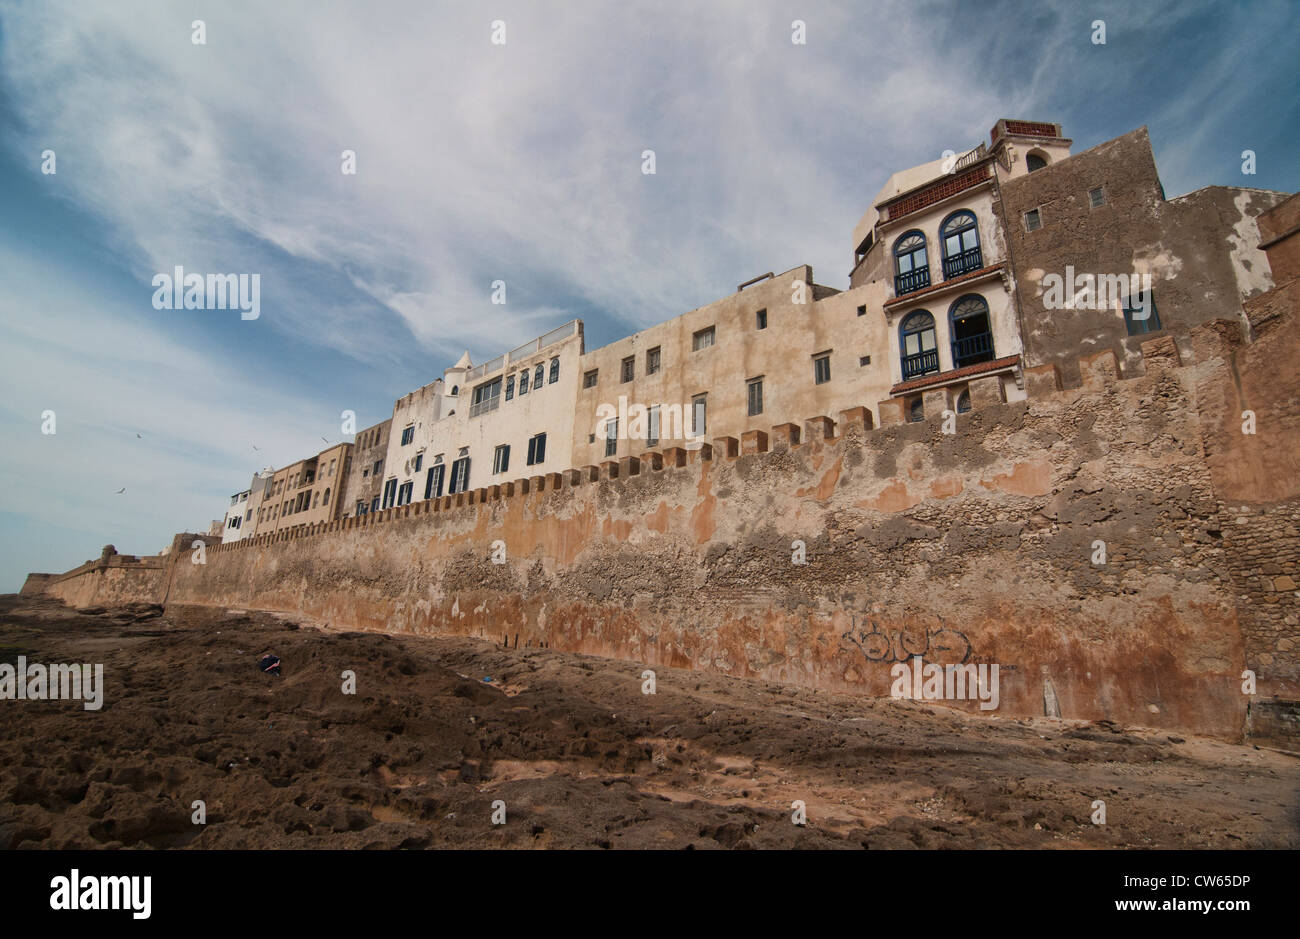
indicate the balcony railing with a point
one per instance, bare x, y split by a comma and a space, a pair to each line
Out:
487, 368
922, 363
972, 349
912, 281
484, 406
958, 264
974, 156
541, 342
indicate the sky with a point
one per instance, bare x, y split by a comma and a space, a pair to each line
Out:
477, 162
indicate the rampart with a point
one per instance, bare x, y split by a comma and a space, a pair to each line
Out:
1079, 539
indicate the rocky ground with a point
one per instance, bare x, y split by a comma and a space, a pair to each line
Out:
580, 757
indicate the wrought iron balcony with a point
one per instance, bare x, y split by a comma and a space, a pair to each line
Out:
966, 261
922, 363
912, 281
972, 349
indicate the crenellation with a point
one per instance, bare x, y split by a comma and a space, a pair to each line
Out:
818, 430
785, 436
1099, 370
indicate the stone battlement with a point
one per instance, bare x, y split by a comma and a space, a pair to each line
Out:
1099, 371
1120, 549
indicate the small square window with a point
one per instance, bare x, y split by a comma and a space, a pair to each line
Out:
702, 339
760, 319
862, 310
589, 378
864, 360
1096, 197
1033, 220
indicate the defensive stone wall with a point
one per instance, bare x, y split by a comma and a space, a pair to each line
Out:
1075, 539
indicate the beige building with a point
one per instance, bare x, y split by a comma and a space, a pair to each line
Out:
777, 351
305, 492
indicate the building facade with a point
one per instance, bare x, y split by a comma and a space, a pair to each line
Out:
512, 416
305, 492
774, 352
965, 268
242, 516
365, 482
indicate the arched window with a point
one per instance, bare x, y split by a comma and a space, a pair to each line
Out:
920, 353
972, 335
538, 374
911, 264
327, 495
960, 237
963, 402
455, 390
916, 412
555, 372
1035, 161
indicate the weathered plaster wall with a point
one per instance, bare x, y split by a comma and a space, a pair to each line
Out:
362, 484
781, 355
1201, 249
977, 545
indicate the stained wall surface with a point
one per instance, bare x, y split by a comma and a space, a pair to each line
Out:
978, 546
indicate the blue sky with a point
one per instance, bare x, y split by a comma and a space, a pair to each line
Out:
479, 162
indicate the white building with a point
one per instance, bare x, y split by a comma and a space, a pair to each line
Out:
934, 235
239, 522
477, 426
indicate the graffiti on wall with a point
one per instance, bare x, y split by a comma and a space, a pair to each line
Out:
943, 644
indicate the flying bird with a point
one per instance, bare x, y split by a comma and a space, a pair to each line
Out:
139, 436
122, 490
325, 440
257, 448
